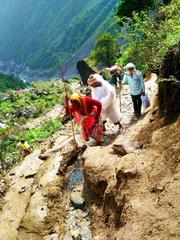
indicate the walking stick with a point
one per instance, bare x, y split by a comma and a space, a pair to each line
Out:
69, 112
120, 102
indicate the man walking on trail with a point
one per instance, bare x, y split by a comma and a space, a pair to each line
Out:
134, 79
106, 94
116, 73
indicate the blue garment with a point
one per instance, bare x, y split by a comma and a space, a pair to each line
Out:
136, 82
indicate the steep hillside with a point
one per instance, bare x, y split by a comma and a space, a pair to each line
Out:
32, 32
10, 82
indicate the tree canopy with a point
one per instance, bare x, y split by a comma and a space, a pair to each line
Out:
126, 7
106, 51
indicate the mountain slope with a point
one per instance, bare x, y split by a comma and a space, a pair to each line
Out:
10, 82
34, 32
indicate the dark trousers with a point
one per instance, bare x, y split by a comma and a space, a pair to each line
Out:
137, 103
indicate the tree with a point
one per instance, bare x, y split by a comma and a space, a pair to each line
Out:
127, 7
149, 38
106, 51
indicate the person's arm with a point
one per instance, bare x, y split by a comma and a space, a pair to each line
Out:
95, 103
125, 80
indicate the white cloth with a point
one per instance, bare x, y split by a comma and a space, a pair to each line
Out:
106, 94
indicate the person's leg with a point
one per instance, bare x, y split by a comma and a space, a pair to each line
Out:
104, 127
139, 104
135, 104
104, 117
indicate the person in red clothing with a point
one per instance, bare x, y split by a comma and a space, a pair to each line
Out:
87, 113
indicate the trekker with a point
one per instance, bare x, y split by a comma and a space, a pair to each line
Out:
106, 94
116, 75
134, 79
87, 113
24, 148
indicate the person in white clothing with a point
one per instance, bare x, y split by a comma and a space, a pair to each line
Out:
106, 94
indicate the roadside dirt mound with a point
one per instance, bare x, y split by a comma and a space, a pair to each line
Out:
133, 184
136, 196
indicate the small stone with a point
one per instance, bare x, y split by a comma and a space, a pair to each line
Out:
128, 173
30, 175
125, 147
157, 189
12, 174
86, 233
77, 201
22, 190
119, 149
44, 156
75, 234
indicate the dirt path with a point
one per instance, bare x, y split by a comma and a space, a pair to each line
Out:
37, 205
134, 188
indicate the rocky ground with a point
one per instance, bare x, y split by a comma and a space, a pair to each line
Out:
55, 112
125, 189
133, 185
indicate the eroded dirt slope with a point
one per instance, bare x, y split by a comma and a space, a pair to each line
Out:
134, 184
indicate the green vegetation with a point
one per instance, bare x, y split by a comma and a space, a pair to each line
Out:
149, 38
18, 108
127, 7
106, 52
146, 36
33, 32
10, 155
10, 82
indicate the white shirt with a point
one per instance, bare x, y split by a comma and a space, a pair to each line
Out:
105, 93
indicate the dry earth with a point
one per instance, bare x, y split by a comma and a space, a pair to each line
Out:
131, 184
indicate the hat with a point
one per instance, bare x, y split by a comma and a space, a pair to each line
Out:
94, 78
130, 65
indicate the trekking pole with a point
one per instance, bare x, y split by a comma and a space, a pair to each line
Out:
69, 112
120, 102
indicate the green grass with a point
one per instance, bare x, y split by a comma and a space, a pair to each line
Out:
11, 108
10, 155
42, 96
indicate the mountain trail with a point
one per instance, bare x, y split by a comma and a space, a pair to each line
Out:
125, 189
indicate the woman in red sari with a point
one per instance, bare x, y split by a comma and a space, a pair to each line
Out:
87, 113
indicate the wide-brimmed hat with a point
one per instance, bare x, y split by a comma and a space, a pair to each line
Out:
130, 65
